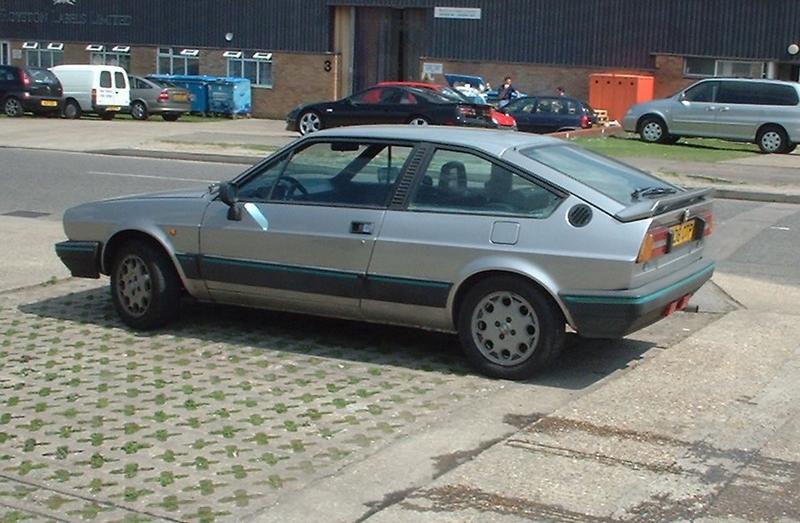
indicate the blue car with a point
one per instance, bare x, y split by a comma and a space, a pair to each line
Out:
550, 114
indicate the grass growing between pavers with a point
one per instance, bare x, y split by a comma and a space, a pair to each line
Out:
207, 420
687, 149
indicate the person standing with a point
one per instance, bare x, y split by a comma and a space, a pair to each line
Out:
506, 92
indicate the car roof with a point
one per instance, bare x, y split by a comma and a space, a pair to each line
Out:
750, 80
492, 141
425, 85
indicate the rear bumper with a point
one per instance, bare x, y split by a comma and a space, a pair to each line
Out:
81, 258
613, 314
170, 107
41, 104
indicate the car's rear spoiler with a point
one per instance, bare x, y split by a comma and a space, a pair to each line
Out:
649, 208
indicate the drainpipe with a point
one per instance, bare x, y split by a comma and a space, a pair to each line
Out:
772, 70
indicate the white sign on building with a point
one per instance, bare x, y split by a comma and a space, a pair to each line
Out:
457, 13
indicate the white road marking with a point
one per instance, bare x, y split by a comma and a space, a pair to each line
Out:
780, 228
151, 176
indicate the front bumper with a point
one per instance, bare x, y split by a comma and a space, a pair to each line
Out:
81, 258
614, 314
629, 123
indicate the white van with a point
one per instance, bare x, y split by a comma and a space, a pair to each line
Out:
100, 89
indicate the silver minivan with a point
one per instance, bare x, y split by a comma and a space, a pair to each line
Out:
765, 112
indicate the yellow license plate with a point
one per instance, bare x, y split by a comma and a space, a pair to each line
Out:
113, 108
49, 103
682, 233
180, 97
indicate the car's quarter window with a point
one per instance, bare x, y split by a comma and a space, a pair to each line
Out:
105, 79
457, 181
733, 92
613, 179
338, 173
702, 92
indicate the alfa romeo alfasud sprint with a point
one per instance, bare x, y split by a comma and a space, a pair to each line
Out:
504, 238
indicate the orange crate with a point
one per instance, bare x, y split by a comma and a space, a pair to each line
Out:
616, 92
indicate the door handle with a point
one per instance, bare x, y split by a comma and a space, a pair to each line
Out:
711, 108
725, 109
361, 228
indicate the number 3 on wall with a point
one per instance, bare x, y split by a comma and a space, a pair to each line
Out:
328, 66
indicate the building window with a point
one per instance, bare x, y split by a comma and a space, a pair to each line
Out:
38, 54
107, 55
173, 61
701, 67
254, 65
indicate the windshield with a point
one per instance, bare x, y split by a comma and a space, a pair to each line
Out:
609, 177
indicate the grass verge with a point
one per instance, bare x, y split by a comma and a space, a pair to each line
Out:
687, 149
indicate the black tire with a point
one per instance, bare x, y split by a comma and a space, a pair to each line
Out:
13, 107
791, 148
139, 110
108, 115
170, 117
527, 308
309, 122
72, 110
772, 139
145, 287
652, 129
671, 139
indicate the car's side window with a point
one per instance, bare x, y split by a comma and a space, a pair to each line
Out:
703, 92
456, 181
544, 105
333, 173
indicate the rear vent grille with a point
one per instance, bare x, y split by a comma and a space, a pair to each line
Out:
404, 185
580, 215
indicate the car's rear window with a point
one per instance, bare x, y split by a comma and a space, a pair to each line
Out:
609, 177
42, 76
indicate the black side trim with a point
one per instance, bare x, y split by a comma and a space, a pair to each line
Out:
407, 291
81, 258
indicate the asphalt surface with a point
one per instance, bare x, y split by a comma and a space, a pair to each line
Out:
235, 415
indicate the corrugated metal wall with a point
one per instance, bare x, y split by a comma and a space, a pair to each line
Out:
610, 33
299, 25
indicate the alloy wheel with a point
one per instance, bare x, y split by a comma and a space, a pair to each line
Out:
13, 108
418, 121
310, 123
505, 328
134, 285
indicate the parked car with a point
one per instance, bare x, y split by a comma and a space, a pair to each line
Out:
503, 121
388, 105
501, 237
29, 89
550, 114
99, 89
150, 96
765, 112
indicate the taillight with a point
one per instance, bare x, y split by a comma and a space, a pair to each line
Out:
654, 244
94, 96
163, 96
708, 220
585, 122
26, 80
466, 112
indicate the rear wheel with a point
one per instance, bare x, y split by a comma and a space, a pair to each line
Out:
418, 120
772, 139
508, 328
145, 288
654, 130
72, 110
13, 107
309, 122
170, 117
139, 111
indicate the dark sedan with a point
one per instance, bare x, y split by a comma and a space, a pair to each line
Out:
550, 114
388, 105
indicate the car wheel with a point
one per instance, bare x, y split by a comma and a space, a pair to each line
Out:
508, 328
772, 139
13, 107
170, 117
72, 110
139, 111
418, 120
107, 115
144, 286
309, 122
653, 130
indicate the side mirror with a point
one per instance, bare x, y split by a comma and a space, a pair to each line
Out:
228, 195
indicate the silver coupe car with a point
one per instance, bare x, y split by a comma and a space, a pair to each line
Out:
504, 238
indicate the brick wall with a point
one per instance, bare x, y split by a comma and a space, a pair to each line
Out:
669, 75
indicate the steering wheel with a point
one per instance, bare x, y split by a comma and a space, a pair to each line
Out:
294, 184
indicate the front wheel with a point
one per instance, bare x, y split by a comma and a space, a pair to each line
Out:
13, 107
509, 329
309, 122
418, 120
772, 139
654, 130
144, 286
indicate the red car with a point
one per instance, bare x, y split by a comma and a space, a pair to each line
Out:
504, 121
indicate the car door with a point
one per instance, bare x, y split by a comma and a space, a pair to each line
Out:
694, 113
544, 119
741, 109
463, 210
522, 110
370, 107
309, 221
